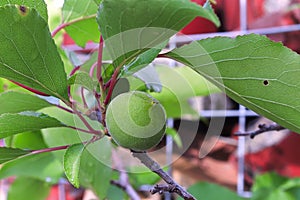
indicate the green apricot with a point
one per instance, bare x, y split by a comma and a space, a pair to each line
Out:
136, 120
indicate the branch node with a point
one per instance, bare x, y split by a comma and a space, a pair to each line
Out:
171, 186
262, 128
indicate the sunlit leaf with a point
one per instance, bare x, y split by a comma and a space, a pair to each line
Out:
72, 163
179, 85
172, 132
95, 168
86, 27
11, 124
14, 102
254, 71
29, 55
42, 166
131, 27
32, 188
271, 186
82, 78
143, 60
150, 77
39, 5
139, 175
65, 136
7, 154
28, 140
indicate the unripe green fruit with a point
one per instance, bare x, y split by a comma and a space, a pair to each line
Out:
136, 120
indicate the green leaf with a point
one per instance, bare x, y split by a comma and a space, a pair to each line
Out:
73, 57
86, 28
84, 31
209, 191
42, 166
268, 180
150, 77
95, 167
131, 27
65, 136
33, 189
272, 186
115, 193
140, 175
144, 59
28, 140
72, 163
120, 87
83, 78
7, 85
39, 5
175, 136
97, 1
136, 84
11, 124
7, 154
179, 85
107, 69
29, 54
14, 102
1, 85
254, 71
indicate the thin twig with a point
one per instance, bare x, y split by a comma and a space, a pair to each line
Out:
85, 122
123, 181
64, 25
262, 128
172, 186
93, 139
85, 105
161, 188
86, 131
63, 108
74, 70
92, 69
49, 149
